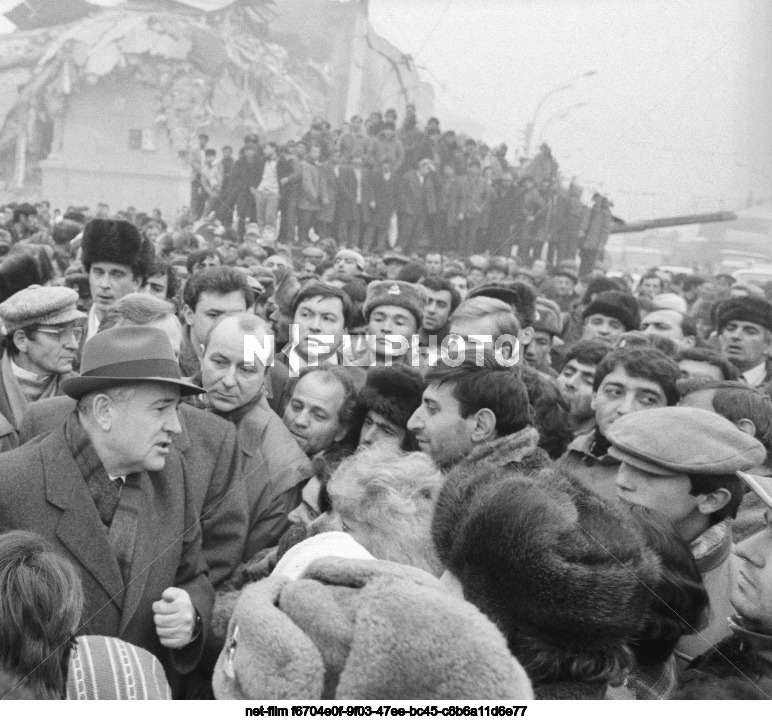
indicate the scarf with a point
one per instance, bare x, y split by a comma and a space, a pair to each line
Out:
118, 506
18, 402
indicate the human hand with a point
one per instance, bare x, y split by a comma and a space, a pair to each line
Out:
174, 618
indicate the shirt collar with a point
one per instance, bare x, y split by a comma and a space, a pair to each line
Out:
755, 376
93, 324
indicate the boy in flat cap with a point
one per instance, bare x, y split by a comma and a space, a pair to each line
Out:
43, 329
682, 463
627, 381
740, 667
745, 333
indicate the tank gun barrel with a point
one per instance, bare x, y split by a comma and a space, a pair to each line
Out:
639, 225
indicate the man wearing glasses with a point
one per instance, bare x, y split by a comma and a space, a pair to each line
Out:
42, 334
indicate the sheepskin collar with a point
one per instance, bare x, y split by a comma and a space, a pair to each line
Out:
519, 448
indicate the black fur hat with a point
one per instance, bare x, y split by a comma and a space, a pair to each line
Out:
116, 241
616, 304
393, 392
748, 309
562, 572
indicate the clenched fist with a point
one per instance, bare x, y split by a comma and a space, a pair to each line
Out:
175, 618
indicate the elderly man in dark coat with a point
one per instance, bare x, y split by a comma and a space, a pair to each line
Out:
107, 490
206, 444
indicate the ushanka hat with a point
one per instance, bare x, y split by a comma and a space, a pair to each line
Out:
395, 292
116, 241
393, 392
615, 304
127, 355
747, 309
560, 570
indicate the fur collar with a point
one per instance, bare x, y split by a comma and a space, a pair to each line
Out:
519, 448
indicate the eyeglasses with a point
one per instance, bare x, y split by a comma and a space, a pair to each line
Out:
63, 335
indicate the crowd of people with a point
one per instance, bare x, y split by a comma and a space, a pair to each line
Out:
575, 503
371, 183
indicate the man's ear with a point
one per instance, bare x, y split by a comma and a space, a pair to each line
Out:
747, 426
102, 411
20, 340
344, 429
484, 425
525, 336
187, 314
711, 502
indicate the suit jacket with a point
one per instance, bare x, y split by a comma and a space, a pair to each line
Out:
384, 193
42, 490
416, 198
347, 211
207, 445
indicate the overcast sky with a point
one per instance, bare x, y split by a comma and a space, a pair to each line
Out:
675, 119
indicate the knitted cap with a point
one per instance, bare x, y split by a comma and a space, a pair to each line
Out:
393, 392
357, 257
40, 305
747, 309
395, 292
107, 668
615, 304
666, 441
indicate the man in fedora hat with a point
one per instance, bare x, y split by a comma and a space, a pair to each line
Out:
106, 489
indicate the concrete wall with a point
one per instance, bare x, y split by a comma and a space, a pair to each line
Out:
91, 160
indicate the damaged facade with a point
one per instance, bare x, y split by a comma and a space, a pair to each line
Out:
105, 105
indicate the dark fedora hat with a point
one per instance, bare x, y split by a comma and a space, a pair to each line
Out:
122, 356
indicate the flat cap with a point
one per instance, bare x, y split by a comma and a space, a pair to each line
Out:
397, 258
666, 441
40, 305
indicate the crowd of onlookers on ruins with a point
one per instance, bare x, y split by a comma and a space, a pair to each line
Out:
556, 485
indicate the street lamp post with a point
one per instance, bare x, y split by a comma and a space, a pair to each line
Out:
529, 129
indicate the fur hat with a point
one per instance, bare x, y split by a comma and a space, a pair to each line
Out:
519, 295
393, 392
395, 292
615, 304
561, 571
548, 317
748, 309
116, 241
353, 629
